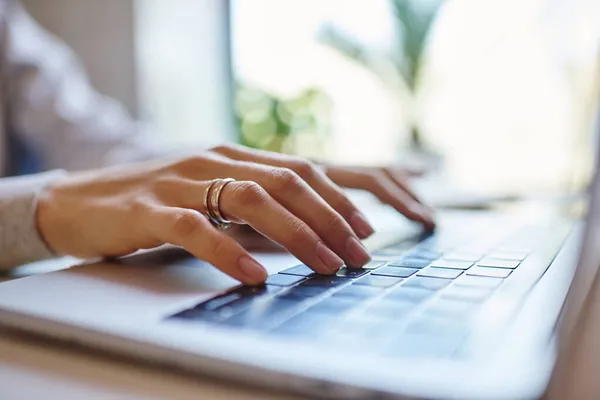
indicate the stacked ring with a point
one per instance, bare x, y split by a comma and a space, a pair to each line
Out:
212, 197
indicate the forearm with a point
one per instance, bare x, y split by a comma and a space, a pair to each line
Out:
20, 241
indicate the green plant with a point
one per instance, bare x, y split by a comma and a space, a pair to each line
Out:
398, 70
268, 122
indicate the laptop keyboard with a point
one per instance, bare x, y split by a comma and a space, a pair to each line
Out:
412, 299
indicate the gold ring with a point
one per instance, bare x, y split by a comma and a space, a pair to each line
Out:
206, 197
214, 204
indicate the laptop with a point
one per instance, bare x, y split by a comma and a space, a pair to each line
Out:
490, 306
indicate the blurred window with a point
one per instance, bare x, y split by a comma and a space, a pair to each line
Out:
184, 84
504, 90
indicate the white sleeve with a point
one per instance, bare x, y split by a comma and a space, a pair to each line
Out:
55, 111
20, 241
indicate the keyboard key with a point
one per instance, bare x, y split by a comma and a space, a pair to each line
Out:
305, 324
489, 272
509, 255
444, 273
490, 262
437, 327
300, 270
427, 283
395, 271
363, 325
390, 309
409, 294
221, 307
335, 305
463, 256
358, 291
449, 308
308, 291
383, 257
263, 315
373, 264
478, 281
292, 295
410, 263
199, 315
378, 281
452, 264
283, 280
431, 337
435, 244
360, 339
218, 302
465, 293
424, 254
272, 306
352, 273
257, 291
325, 281
237, 306
397, 249
388, 253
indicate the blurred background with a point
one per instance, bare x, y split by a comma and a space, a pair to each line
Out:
496, 96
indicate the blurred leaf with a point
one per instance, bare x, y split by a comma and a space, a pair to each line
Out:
345, 44
267, 122
384, 66
413, 19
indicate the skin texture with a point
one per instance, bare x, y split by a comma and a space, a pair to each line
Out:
289, 200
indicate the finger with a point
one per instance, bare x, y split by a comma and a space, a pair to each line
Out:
249, 202
390, 193
312, 175
186, 193
192, 231
411, 171
385, 190
400, 178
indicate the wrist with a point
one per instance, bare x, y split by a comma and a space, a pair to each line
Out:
44, 210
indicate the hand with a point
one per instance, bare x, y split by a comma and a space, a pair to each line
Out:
116, 211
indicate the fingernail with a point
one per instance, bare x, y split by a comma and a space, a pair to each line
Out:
328, 257
252, 270
357, 253
428, 215
428, 219
423, 214
360, 225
